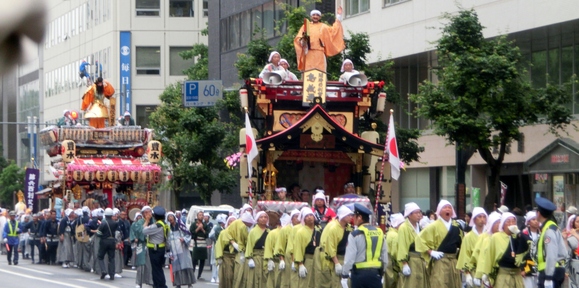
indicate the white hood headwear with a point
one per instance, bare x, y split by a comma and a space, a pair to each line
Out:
94, 213
116, 211
493, 218
247, 218
284, 61
409, 208
315, 11
346, 61
504, 218
570, 222
305, 212
285, 219
396, 219
476, 212
530, 216
85, 209
145, 208
425, 221
259, 215
271, 55
319, 196
100, 212
441, 204
244, 208
137, 216
295, 212
344, 211
67, 212
174, 216
230, 218
78, 212
221, 218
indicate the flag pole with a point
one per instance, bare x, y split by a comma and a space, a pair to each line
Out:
379, 185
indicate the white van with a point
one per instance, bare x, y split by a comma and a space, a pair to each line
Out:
212, 210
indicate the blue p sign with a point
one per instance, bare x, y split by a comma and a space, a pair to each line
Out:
192, 91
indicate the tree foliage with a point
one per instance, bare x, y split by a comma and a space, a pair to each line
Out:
11, 180
484, 96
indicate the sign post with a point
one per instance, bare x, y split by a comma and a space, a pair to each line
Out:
202, 93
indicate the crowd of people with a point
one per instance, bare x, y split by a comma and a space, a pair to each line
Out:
312, 247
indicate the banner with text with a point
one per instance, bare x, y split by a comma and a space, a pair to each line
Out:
31, 179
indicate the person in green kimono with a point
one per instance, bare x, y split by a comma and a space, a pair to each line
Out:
439, 243
504, 258
307, 238
478, 222
283, 246
257, 276
224, 257
139, 240
413, 266
392, 270
236, 237
269, 255
481, 247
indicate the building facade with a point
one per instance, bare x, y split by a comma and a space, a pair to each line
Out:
405, 31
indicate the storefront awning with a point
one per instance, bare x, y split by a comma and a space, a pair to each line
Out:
561, 156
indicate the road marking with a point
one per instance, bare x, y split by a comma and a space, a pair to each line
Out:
132, 271
41, 279
35, 271
96, 283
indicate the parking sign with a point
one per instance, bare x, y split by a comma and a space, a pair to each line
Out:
202, 93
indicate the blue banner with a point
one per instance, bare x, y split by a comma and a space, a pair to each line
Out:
125, 71
31, 179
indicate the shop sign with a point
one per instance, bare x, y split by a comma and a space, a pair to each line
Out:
559, 158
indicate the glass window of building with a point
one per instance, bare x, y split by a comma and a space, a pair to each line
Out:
176, 63
245, 27
181, 8
354, 7
143, 113
205, 8
268, 19
256, 21
234, 31
148, 60
148, 7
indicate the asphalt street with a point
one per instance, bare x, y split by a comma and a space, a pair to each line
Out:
26, 274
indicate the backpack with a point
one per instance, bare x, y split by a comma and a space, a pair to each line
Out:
80, 234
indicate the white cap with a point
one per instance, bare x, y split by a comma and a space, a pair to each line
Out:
530, 216
127, 113
493, 218
305, 212
280, 189
476, 212
259, 215
443, 203
230, 218
206, 214
109, 212
137, 215
67, 212
78, 212
285, 219
315, 11
504, 218
184, 211
319, 196
295, 212
503, 209
396, 219
409, 208
145, 208
346, 61
570, 222
571, 210
284, 61
116, 211
172, 214
94, 213
321, 191
271, 55
221, 218
344, 211
85, 209
247, 218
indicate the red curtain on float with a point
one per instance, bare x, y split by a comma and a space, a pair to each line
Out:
109, 193
334, 181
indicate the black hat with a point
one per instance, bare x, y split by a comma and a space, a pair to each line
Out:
545, 206
361, 209
159, 211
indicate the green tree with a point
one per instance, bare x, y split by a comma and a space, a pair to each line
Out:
11, 180
199, 52
484, 96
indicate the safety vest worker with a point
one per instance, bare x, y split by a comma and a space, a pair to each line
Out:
366, 254
551, 251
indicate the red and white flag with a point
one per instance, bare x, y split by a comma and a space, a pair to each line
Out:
250, 146
393, 156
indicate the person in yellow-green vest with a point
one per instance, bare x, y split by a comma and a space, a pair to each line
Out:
551, 250
439, 243
254, 250
478, 222
392, 270
157, 233
307, 238
411, 263
366, 254
481, 247
11, 236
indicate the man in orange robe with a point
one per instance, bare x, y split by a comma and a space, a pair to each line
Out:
93, 102
325, 41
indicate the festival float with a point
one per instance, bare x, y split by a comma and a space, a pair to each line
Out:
113, 166
312, 136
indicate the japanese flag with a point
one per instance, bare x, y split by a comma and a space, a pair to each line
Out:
393, 156
250, 146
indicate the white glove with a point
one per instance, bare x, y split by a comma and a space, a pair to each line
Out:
514, 229
476, 282
436, 254
485, 280
270, 265
5, 240
548, 284
219, 261
468, 280
338, 269
293, 266
303, 271
281, 265
406, 270
235, 246
242, 257
344, 282
251, 263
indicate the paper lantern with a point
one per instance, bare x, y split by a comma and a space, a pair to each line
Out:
77, 175
68, 151
89, 175
101, 175
135, 176
124, 176
156, 176
112, 175
154, 150
146, 176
